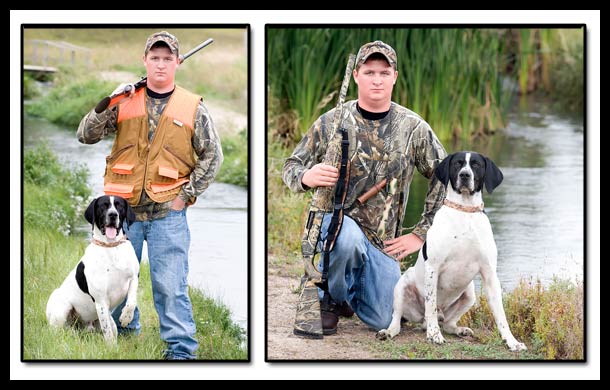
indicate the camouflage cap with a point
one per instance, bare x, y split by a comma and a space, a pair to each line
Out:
376, 47
165, 37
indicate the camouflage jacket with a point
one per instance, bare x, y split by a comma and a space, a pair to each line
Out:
390, 149
206, 145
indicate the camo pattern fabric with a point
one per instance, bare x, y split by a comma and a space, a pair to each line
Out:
308, 322
390, 148
206, 145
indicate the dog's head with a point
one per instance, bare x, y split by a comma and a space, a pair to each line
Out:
107, 214
468, 171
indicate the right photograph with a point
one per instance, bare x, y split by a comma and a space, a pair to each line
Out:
425, 192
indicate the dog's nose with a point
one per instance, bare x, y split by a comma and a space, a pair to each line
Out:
464, 175
112, 216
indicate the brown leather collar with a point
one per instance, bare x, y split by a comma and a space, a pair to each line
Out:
466, 209
109, 244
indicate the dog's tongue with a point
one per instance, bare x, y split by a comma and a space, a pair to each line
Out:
111, 232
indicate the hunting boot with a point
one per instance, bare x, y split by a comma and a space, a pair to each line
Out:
330, 312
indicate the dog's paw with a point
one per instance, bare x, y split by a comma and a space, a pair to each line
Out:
516, 346
463, 331
126, 316
435, 336
383, 334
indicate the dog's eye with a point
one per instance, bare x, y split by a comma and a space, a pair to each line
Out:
458, 163
475, 164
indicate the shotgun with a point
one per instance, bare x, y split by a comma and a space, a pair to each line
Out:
111, 101
308, 321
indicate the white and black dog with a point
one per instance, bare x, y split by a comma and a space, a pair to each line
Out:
105, 275
459, 245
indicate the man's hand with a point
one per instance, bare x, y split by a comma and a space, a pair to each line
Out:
121, 89
403, 246
178, 204
320, 175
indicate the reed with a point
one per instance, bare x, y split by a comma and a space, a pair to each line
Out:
449, 76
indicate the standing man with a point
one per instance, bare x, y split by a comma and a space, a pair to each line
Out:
165, 154
386, 143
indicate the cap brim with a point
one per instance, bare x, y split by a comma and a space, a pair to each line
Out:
366, 57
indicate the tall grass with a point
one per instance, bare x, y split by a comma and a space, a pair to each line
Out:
54, 197
449, 76
549, 320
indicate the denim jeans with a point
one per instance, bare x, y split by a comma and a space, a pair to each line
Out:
168, 241
360, 274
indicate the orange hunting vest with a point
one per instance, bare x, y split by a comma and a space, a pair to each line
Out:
161, 166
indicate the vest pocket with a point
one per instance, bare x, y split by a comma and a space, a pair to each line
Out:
117, 189
156, 188
114, 156
122, 169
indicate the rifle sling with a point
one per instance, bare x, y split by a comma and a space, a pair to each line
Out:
338, 202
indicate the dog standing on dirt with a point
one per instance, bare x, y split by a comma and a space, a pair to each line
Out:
105, 275
459, 245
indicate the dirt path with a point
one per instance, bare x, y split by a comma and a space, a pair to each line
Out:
355, 341
350, 342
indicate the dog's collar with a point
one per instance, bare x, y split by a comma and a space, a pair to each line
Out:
466, 209
108, 244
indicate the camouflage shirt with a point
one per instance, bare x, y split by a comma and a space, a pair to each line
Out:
389, 148
206, 145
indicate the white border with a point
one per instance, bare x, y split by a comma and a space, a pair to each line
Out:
258, 369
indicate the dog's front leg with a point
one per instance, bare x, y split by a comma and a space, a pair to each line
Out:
494, 296
130, 304
106, 322
433, 332
394, 327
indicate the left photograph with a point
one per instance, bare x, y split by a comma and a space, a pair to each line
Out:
135, 182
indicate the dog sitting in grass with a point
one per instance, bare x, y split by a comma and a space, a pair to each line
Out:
105, 275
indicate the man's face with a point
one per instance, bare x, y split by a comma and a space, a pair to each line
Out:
375, 79
161, 65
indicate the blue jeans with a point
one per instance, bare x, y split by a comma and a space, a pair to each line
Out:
168, 241
361, 274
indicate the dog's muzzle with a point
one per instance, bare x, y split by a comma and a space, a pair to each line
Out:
112, 225
465, 183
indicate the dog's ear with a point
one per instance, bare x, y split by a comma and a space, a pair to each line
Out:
90, 212
130, 216
442, 170
493, 175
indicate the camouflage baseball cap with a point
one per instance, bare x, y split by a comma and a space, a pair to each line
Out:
165, 37
376, 47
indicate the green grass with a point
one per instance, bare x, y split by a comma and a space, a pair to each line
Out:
285, 209
54, 198
68, 103
50, 256
234, 169
417, 348
218, 71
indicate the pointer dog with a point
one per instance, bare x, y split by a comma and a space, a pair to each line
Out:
105, 275
459, 245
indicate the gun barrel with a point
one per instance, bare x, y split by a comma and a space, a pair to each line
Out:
196, 49
110, 101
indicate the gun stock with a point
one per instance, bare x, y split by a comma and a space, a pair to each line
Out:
113, 100
308, 322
